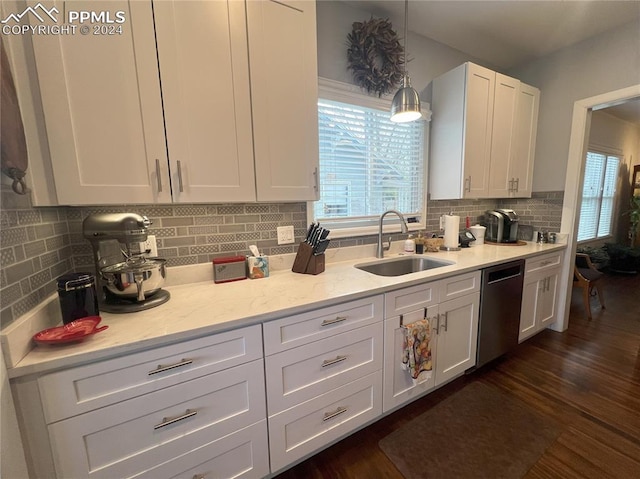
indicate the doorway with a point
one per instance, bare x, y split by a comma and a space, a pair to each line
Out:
578, 143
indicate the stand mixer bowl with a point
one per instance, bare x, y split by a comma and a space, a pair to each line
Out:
136, 278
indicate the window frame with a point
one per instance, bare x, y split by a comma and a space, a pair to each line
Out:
351, 94
607, 152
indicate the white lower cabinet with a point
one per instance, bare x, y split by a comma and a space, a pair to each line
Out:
127, 438
314, 424
539, 294
243, 454
327, 386
454, 334
190, 409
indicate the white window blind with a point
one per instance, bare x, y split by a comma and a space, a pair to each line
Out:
368, 165
598, 196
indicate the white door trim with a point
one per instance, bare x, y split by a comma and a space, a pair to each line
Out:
573, 184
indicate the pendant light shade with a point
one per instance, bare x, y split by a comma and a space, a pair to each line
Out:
405, 106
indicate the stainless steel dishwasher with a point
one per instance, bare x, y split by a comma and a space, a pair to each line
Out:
500, 302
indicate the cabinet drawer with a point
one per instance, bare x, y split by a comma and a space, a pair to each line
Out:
243, 454
82, 389
543, 262
312, 425
410, 299
132, 436
300, 374
461, 285
293, 331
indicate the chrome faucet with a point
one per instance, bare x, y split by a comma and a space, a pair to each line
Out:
403, 227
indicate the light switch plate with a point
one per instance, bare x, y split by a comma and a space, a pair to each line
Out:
285, 234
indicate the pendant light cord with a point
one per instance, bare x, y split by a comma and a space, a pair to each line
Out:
406, 21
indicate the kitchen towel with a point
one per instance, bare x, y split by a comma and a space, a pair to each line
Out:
416, 350
451, 231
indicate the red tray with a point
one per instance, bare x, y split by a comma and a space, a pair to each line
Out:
74, 331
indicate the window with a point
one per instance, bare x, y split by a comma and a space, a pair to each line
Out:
368, 164
598, 195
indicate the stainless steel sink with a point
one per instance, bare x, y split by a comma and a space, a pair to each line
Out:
400, 266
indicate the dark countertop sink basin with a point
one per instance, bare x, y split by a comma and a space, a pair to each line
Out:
403, 265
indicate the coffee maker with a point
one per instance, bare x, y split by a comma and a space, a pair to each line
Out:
127, 280
502, 226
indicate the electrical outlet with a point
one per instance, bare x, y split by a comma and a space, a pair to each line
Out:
285, 234
149, 245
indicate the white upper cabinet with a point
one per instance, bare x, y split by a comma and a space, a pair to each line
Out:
103, 111
284, 96
167, 111
502, 135
202, 49
478, 134
521, 167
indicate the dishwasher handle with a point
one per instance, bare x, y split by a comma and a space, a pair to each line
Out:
504, 274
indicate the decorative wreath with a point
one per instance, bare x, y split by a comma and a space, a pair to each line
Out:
375, 56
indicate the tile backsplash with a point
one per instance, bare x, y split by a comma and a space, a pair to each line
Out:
38, 244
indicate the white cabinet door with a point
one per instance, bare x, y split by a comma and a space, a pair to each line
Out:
528, 311
398, 385
284, 96
502, 136
457, 337
479, 100
540, 294
548, 306
526, 127
202, 49
103, 110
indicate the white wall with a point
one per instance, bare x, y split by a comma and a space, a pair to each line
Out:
619, 137
605, 63
428, 58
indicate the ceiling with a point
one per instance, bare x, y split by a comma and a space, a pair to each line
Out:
511, 32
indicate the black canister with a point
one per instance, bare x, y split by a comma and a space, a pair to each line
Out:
77, 294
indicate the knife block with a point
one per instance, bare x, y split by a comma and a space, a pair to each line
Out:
306, 262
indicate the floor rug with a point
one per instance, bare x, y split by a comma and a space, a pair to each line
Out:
478, 432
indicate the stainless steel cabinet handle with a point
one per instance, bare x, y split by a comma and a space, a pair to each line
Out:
329, 362
161, 368
316, 180
437, 328
517, 184
332, 414
511, 184
199, 476
338, 319
180, 177
545, 263
166, 421
158, 176
467, 183
446, 321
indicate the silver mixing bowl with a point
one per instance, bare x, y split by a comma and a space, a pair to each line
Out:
137, 278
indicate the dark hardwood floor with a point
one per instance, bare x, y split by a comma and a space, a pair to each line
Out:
587, 378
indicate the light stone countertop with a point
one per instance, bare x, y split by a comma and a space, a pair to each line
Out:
204, 308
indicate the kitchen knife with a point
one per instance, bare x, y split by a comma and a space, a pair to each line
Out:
322, 247
309, 231
316, 235
324, 234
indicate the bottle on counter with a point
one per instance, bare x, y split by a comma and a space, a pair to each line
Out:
409, 245
419, 243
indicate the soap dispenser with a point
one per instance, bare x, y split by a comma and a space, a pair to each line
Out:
409, 245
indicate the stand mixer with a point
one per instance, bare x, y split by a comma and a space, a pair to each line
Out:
126, 282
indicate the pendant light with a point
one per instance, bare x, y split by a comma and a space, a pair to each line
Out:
405, 106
